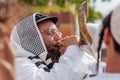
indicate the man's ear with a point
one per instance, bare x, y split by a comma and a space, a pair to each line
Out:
107, 36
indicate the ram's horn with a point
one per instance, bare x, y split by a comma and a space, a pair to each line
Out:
85, 35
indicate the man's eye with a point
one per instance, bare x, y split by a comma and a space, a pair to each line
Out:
50, 32
53, 31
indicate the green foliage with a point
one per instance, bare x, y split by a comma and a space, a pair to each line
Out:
93, 15
54, 8
42, 6
42, 2
60, 2
77, 2
36, 2
27, 1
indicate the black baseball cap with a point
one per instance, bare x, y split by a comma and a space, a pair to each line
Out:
42, 17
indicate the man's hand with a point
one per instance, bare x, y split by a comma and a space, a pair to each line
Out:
7, 71
69, 40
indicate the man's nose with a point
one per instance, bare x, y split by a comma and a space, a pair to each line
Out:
58, 36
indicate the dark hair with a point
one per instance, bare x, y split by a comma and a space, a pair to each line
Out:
117, 46
107, 24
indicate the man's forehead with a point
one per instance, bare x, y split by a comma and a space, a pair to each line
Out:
47, 24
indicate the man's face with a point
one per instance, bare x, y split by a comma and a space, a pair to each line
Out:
49, 32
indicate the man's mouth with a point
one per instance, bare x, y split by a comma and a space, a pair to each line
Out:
59, 43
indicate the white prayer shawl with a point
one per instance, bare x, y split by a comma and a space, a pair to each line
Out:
26, 38
27, 41
94, 30
106, 76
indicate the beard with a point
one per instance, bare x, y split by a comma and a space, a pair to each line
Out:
54, 53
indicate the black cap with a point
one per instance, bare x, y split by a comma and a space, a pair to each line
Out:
42, 17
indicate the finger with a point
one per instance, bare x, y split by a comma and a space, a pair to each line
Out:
62, 50
1, 51
6, 71
8, 51
1, 31
71, 40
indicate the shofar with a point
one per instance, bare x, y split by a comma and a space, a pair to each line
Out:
85, 36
